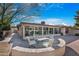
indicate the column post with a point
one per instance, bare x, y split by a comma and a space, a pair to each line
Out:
23, 32
63, 31
53, 31
34, 32
42, 31
48, 30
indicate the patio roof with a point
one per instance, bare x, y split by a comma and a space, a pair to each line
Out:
25, 24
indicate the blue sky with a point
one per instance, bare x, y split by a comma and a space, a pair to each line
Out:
56, 14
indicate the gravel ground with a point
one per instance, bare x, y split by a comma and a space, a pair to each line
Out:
68, 38
18, 41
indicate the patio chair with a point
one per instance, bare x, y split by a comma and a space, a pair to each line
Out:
31, 41
45, 42
58, 43
5, 48
62, 42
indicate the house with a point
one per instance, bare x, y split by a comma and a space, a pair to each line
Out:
37, 29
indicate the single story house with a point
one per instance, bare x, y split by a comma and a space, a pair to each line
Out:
37, 29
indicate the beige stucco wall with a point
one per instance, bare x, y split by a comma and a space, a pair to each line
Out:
13, 29
63, 30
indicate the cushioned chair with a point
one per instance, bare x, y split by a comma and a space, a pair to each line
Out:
61, 42
31, 41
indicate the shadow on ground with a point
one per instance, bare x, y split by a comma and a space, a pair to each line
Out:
70, 52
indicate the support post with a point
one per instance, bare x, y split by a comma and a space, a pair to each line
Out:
34, 32
42, 31
53, 31
23, 32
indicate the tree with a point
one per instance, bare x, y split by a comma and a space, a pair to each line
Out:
9, 12
77, 20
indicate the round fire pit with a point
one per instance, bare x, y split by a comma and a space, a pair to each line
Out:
41, 43
47, 51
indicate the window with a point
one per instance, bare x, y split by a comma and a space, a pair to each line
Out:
57, 30
45, 30
51, 31
31, 33
36, 28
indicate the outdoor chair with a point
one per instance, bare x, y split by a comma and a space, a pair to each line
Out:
59, 43
62, 42
31, 41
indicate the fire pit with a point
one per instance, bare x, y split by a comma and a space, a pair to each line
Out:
41, 48
40, 43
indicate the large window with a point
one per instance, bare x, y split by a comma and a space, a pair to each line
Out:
45, 29
40, 31
29, 31
51, 30
57, 30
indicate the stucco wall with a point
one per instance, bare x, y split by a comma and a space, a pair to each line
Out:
13, 29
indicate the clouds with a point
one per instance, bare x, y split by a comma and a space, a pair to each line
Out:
52, 21
46, 6
49, 21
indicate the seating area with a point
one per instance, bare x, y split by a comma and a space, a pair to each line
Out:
9, 48
40, 42
44, 51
